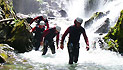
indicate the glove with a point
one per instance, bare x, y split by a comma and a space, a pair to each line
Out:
61, 46
87, 48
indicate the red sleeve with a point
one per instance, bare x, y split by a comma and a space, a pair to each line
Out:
45, 32
57, 39
33, 29
86, 38
34, 20
47, 25
64, 35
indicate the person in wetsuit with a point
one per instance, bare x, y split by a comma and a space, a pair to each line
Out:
38, 31
73, 45
48, 36
38, 19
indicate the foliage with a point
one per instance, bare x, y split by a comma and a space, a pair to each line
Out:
7, 7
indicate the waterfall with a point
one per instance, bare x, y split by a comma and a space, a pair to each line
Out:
95, 58
26, 6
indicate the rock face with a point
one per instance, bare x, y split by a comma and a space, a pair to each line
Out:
15, 31
5, 53
105, 27
17, 35
95, 17
114, 38
63, 13
20, 38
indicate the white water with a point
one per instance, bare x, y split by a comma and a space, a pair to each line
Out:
94, 59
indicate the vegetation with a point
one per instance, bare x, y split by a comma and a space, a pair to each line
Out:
13, 31
114, 38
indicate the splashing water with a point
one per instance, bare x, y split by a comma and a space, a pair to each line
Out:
88, 60
94, 59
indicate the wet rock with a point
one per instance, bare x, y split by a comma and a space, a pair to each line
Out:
88, 23
29, 19
5, 53
5, 29
105, 27
51, 14
21, 38
63, 13
95, 17
114, 38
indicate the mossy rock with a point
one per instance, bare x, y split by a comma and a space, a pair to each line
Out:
4, 56
95, 17
21, 37
116, 34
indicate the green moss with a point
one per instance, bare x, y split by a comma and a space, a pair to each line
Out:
3, 55
116, 34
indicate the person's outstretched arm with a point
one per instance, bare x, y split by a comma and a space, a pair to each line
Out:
45, 32
57, 40
47, 24
34, 20
86, 40
63, 37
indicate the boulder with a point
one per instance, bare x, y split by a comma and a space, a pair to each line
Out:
5, 53
63, 13
114, 38
104, 28
21, 38
95, 17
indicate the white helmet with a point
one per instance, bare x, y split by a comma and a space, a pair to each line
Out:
42, 23
79, 20
58, 28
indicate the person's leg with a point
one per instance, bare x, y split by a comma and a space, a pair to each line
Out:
52, 47
45, 47
37, 45
76, 53
70, 51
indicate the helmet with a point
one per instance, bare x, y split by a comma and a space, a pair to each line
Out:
42, 23
78, 20
58, 28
